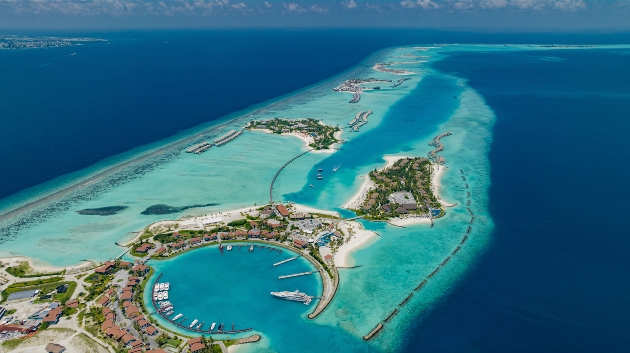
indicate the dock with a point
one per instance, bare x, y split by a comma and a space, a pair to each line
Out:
439, 147
285, 261
391, 315
188, 328
421, 285
199, 148
407, 299
401, 81
356, 97
298, 274
230, 136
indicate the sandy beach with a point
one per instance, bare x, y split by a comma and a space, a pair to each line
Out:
306, 138
360, 238
45, 268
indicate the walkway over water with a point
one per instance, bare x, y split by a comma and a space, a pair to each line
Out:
278, 172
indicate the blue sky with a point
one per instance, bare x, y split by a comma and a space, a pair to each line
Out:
554, 15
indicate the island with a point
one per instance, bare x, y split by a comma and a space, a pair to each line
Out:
317, 135
402, 190
25, 42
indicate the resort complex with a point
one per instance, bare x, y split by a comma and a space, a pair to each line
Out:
320, 136
404, 189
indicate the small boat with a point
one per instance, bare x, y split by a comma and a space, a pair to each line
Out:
155, 296
161, 286
213, 325
195, 321
320, 170
319, 177
199, 326
165, 295
311, 185
156, 287
336, 168
167, 285
177, 316
160, 296
169, 313
251, 248
229, 247
220, 329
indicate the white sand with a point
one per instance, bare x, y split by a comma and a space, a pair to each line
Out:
359, 239
45, 268
357, 199
303, 209
308, 139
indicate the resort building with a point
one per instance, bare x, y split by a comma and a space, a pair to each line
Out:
107, 266
282, 210
299, 243
104, 300
195, 345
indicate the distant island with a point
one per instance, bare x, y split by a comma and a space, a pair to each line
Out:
26, 42
319, 136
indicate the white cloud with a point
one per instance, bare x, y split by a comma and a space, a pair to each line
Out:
569, 5
493, 4
293, 7
319, 9
351, 4
464, 5
267, 4
528, 4
425, 4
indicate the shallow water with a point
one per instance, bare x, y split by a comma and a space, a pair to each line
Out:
405, 119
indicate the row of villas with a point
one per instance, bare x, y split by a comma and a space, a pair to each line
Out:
130, 311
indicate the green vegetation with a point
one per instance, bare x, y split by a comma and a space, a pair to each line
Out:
11, 311
61, 297
237, 223
41, 284
313, 250
407, 175
323, 135
99, 285
24, 270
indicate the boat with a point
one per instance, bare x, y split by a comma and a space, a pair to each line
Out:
165, 294
229, 247
212, 326
155, 296
167, 285
161, 286
220, 329
319, 177
320, 170
311, 185
199, 326
294, 296
177, 316
169, 313
156, 287
336, 168
195, 321
160, 296
251, 248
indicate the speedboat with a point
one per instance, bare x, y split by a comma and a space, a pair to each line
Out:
193, 323
165, 295
167, 285
161, 286
155, 296
229, 247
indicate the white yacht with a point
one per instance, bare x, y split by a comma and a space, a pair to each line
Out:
156, 287
167, 285
194, 323
294, 296
165, 295
161, 286
213, 325
177, 316
160, 296
155, 296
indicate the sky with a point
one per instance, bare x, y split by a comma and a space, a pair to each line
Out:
528, 15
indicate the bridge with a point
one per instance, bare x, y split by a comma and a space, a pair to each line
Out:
278, 172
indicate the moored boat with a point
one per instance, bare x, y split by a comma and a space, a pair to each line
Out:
195, 321
212, 326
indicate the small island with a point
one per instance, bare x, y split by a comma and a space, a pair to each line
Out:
102, 211
318, 136
401, 190
26, 42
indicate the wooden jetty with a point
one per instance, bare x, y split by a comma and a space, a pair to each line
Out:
406, 300
464, 239
298, 274
445, 261
434, 272
458, 248
285, 261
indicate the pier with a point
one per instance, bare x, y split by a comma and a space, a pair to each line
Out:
230, 136
434, 272
406, 299
298, 274
401, 81
278, 172
424, 281
457, 249
391, 316
359, 120
356, 97
188, 328
199, 148
439, 147
285, 261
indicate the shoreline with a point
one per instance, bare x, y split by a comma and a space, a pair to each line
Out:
358, 241
306, 139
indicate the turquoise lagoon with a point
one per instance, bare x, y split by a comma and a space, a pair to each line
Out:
238, 174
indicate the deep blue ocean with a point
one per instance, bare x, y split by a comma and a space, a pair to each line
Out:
555, 277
